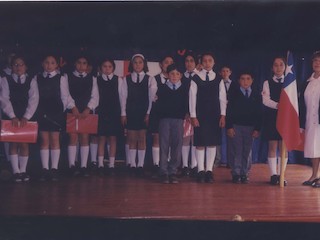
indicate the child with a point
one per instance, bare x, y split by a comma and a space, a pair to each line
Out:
109, 111
207, 104
53, 100
20, 100
225, 73
243, 123
161, 79
190, 63
270, 97
138, 92
85, 98
173, 108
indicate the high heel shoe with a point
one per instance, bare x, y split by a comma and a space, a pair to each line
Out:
310, 183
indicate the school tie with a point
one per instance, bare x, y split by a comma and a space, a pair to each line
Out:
108, 78
225, 85
80, 75
247, 93
19, 80
279, 80
138, 79
166, 80
190, 75
173, 87
207, 77
48, 75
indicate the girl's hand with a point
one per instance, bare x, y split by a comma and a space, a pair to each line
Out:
222, 122
23, 122
85, 113
124, 120
15, 122
146, 119
75, 112
255, 134
195, 122
187, 118
231, 133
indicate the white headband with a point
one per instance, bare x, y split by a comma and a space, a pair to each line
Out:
137, 55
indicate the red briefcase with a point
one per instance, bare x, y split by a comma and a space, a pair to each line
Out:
26, 134
88, 125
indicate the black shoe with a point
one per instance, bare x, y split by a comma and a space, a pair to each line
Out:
194, 172
25, 177
310, 183
164, 179
45, 175
94, 167
285, 183
173, 179
84, 172
185, 172
140, 172
236, 179
54, 174
110, 171
73, 171
209, 177
274, 180
244, 179
201, 177
17, 177
155, 171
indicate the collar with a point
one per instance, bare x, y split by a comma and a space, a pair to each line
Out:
275, 78
170, 84
164, 79
203, 73
105, 77
77, 74
22, 77
313, 78
227, 80
52, 74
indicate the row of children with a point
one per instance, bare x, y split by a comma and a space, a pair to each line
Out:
162, 104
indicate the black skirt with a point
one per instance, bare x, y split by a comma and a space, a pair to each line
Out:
269, 130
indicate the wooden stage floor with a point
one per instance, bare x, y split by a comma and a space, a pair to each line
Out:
124, 197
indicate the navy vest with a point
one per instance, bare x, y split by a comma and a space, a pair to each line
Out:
109, 102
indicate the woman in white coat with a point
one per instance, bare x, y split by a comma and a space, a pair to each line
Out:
310, 119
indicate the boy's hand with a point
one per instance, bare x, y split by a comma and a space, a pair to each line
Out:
146, 119
255, 134
231, 133
75, 112
123, 120
195, 122
85, 113
222, 122
15, 122
23, 122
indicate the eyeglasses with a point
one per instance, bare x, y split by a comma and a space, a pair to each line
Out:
18, 64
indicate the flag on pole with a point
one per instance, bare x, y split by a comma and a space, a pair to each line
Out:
288, 109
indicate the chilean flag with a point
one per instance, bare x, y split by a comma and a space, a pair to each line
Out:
288, 110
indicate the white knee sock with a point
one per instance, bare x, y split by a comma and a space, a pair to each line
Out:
127, 154
132, 157
111, 162
141, 156
156, 155
23, 161
93, 151
84, 153
14, 163
211, 156
272, 162
200, 159
72, 152
279, 165
185, 156
55, 156
100, 161
193, 157
44, 154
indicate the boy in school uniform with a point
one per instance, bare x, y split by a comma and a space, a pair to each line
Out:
243, 123
173, 108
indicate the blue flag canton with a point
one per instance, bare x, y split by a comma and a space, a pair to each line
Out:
290, 75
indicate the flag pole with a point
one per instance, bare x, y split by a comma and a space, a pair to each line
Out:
283, 163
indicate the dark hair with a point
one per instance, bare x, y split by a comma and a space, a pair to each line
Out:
207, 54
246, 72
164, 57
172, 67
316, 54
226, 66
145, 65
190, 54
82, 55
52, 55
279, 57
110, 61
14, 58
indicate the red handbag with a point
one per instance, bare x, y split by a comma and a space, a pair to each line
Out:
26, 134
87, 125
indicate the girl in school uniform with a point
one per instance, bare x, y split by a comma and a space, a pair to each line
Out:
309, 106
109, 111
54, 98
270, 98
190, 63
161, 79
84, 99
138, 92
207, 105
20, 100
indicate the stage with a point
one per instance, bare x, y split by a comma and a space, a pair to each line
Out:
125, 197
